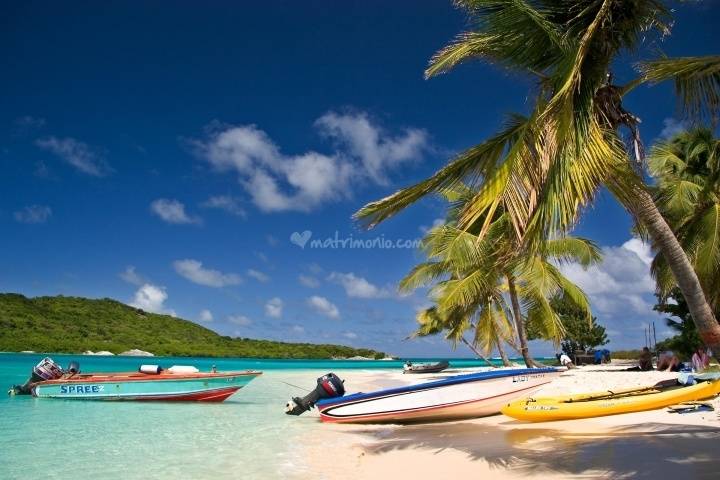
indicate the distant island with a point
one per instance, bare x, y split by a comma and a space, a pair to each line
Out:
75, 325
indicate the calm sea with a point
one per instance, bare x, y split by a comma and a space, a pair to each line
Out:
247, 436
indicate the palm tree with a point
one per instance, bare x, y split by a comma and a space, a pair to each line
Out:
543, 168
687, 170
471, 276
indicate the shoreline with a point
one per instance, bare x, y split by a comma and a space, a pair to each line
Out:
653, 444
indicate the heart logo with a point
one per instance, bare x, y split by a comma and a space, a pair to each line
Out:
300, 239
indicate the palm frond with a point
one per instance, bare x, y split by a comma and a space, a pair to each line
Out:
697, 82
513, 33
471, 164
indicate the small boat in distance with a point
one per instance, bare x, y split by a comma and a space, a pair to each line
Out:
149, 383
409, 367
452, 398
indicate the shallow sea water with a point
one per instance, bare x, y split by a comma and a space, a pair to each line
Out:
247, 436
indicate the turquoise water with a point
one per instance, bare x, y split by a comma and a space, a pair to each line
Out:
247, 436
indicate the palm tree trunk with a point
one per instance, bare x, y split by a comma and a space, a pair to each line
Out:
503, 355
476, 351
665, 241
519, 325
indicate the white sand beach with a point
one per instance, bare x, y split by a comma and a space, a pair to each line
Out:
655, 444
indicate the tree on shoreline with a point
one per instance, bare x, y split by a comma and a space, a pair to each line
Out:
543, 168
471, 277
687, 191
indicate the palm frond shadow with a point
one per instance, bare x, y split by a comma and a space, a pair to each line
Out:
654, 451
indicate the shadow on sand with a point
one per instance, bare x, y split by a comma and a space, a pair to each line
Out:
652, 450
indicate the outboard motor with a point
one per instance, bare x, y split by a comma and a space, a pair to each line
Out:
73, 368
47, 369
328, 386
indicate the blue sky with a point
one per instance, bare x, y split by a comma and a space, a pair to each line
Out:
165, 156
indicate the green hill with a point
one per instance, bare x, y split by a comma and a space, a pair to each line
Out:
73, 325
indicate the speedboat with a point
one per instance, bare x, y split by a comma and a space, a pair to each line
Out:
410, 367
458, 397
150, 382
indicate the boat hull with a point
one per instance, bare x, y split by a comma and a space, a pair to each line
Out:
138, 387
459, 397
582, 406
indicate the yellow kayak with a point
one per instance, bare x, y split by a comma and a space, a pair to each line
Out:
599, 404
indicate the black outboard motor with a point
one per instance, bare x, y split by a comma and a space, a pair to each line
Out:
47, 369
73, 368
328, 386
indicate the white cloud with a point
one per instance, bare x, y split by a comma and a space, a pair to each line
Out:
205, 316
641, 249
436, 223
308, 281
241, 320
350, 335
28, 121
258, 275
377, 152
358, 287
298, 329
620, 281
151, 298
194, 271
672, 127
323, 306
131, 276
78, 154
272, 240
226, 203
274, 308
173, 211
278, 182
33, 214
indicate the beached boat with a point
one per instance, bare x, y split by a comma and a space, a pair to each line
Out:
425, 367
461, 396
599, 404
178, 384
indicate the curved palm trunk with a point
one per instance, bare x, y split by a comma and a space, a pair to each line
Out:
665, 241
503, 355
476, 351
519, 325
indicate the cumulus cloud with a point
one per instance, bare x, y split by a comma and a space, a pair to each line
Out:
131, 276
672, 127
621, 281
274, 308
194, 271
323, 306
151, 298
279, 182
173, 211
33, 214
241, 320
205, 316
78, 154
358, 287
377, 152
350, 335
297, 329
258, 275
436, 223
308, 281
227, 204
